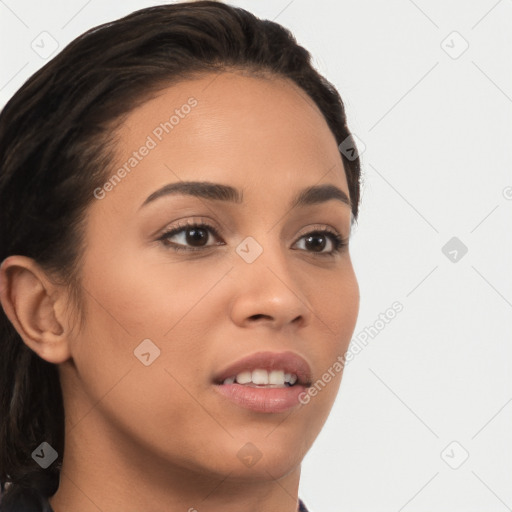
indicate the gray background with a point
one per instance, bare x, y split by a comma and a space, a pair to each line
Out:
433, 386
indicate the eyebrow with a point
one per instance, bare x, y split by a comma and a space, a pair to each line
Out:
315, 194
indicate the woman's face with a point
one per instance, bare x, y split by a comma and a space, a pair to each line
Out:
222, 296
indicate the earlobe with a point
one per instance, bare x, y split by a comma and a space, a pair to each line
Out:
29, 299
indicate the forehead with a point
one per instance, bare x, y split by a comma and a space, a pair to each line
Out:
229, 127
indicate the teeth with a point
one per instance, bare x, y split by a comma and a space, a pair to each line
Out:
259, 377
276, 377
244, 377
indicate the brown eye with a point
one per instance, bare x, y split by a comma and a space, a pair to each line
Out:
317, 241
189, 237
196, 236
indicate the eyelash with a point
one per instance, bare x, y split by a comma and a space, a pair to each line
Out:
339, 242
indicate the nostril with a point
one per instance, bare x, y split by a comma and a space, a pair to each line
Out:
258, 316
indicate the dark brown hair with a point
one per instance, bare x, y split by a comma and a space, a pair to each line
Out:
56, 147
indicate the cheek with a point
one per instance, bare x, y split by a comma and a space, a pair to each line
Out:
144, 403
143, 408
147, 292
335, 307
349, 305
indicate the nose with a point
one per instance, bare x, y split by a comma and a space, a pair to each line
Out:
269, 292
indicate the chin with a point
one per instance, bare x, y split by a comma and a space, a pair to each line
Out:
263, 458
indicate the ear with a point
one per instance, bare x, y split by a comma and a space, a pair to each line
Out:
35, 307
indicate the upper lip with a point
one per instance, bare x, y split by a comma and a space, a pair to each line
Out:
289, 362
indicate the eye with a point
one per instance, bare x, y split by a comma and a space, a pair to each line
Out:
196, 235
316, 241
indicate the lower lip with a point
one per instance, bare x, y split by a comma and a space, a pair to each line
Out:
269, 400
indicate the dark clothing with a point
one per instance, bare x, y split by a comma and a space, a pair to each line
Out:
302, 507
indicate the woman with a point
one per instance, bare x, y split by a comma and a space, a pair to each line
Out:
176, 284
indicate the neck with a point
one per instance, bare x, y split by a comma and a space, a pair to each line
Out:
104, 470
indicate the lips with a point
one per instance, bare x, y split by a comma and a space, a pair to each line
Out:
289, 362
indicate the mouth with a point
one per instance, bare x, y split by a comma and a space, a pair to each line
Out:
266, 382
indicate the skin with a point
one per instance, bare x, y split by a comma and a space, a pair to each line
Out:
159, 437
